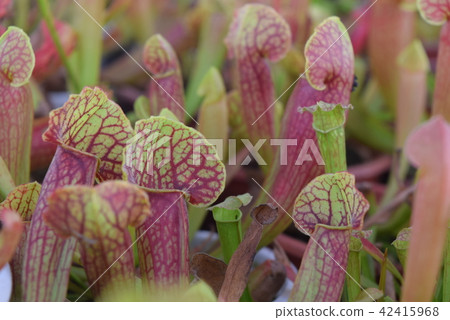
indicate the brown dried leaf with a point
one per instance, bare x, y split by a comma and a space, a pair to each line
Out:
209, 269
266, 280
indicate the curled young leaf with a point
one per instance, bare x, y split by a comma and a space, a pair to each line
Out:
234, 202
99, 218
401, 244
330, 61
16, 104
327, 209
16, 57
167, 92
257, 33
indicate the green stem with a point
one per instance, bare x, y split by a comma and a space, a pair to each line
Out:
446, 280
211, 52
21, 17
228, 224
367, 269
88, 55
397, 221
329, 125
382, 283
438, 294
48, 17
375, 254
397, 175
353, 278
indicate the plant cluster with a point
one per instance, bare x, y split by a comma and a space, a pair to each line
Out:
247, 121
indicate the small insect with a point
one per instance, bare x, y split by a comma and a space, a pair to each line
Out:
355, 83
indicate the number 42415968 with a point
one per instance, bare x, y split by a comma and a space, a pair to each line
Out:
409, 311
